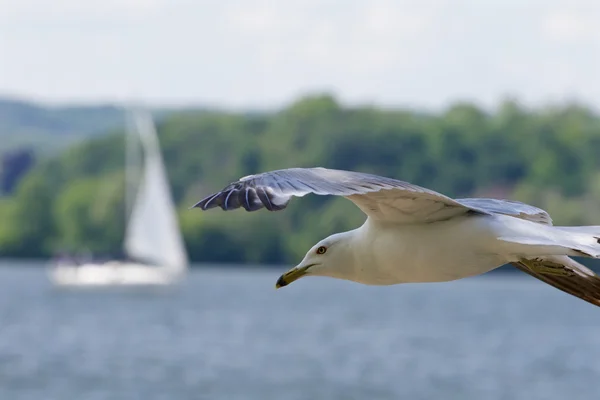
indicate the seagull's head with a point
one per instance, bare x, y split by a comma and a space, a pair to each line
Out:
330, 257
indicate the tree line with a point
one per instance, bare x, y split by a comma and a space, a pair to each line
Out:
74, 201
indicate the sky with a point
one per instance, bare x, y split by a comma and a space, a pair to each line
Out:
261, 54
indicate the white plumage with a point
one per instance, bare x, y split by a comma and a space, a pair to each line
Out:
413, 234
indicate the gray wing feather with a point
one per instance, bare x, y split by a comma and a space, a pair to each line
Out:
509, 207
564, 274
377, 196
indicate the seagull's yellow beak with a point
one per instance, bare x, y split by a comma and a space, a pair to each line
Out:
292, 275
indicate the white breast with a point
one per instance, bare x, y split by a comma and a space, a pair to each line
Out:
441, 251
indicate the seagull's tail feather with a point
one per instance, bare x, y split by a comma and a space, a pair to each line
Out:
593, 230
564, 274
585, 239
577, 241
536, 247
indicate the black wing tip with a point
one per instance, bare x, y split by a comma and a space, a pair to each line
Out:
197, 205
249, 199
205, 203
219, 199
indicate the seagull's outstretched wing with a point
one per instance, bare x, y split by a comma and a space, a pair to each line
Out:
565, 274
379, 197
509, 207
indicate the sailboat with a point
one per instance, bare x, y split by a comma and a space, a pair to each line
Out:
152, 235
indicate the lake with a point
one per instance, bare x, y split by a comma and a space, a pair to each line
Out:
227, 334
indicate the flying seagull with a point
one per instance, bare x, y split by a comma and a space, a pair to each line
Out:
413, 234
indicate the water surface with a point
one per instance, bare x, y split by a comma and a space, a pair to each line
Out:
226, 334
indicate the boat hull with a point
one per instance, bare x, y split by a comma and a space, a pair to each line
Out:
113, 273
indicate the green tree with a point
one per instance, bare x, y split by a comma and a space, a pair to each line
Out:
90, 215
545, 156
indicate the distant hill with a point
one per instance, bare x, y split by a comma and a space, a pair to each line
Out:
47, 128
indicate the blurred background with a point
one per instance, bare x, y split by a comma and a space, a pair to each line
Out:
497, 98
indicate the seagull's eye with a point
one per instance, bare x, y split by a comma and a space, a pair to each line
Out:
321, 250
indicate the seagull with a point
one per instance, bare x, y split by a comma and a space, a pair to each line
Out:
413, 234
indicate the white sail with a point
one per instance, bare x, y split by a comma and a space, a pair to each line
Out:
153, 234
